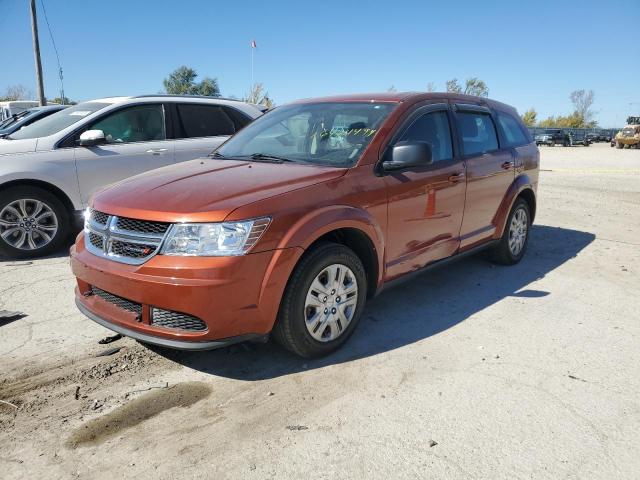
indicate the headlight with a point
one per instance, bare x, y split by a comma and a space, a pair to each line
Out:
214, 239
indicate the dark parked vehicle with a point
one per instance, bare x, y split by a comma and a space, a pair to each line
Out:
579, 138
595, 137
553, 136
27, 117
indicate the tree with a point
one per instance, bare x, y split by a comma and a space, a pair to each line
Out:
529, 117
453, 86
431, 87
582, 101
477, 87
182, 81
392, 88
259, 96
58, 100
17, 92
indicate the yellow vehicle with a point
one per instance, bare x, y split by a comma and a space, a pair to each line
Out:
629, 136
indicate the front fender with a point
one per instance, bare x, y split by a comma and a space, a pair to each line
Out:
302, 234
521, 183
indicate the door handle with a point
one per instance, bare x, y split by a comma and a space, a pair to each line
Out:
456, 177
156, 151
507, 165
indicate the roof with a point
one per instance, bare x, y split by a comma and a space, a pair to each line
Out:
398, 97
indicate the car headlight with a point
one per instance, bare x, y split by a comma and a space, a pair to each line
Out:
214, 239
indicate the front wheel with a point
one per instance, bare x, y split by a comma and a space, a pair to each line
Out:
33, 222
323, 301
513, 244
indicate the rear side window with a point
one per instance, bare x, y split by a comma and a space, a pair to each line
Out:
203, 121
432, 128
511, 130
477, 131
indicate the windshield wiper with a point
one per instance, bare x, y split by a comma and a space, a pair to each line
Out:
216, 155
263, 157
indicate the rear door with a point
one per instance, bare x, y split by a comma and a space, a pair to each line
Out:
198, 129
425, 205
136, 142
490, 171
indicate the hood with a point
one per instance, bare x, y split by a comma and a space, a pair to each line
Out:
18, 146
205, 189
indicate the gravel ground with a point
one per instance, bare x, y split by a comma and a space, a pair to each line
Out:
472, 371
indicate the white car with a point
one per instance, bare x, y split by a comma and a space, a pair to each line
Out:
50, 169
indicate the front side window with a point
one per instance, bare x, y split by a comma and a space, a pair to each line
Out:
478, 132
143, 123
59, 120
511, 129
325, 133
203, 121
432, 128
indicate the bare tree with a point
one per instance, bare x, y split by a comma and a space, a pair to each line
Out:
259, 96
392, 88
17, 92
582, 101
431, 87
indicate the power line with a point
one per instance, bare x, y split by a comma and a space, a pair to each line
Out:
55, 49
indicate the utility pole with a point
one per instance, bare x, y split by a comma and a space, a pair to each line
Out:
36, 53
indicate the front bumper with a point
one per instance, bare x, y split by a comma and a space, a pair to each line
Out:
236, 297
627, 140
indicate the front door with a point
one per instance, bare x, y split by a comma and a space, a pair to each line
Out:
490, 172
135, 142
425, 205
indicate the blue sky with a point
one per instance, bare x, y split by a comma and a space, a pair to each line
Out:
530, 54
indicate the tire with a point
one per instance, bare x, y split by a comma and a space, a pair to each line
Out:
503, 253
40, 237
292, 330
619, 146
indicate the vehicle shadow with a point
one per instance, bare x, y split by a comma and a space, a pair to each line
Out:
423, 306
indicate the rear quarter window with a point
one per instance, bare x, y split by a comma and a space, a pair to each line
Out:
511, 130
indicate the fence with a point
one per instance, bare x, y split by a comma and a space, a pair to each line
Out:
580, 131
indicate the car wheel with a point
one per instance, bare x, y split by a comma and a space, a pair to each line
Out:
323, 301
33, 222
619, 145
513, 244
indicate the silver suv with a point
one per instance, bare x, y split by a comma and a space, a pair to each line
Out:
50, 169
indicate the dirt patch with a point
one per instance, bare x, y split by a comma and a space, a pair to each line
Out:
136, 411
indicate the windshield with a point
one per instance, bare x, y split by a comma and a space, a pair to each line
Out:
58, 121
14, 118
333, 134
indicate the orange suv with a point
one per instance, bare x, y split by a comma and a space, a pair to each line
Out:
289, 226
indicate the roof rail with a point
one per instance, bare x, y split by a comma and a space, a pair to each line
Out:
188, 96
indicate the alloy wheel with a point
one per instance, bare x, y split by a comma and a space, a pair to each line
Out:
331, 302
28, 224
518, 231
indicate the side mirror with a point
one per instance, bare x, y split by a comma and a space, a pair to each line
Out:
91, 138
405, 155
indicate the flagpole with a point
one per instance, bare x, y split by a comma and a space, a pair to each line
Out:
252, 49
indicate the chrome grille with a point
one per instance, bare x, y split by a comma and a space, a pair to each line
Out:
123, 239
99, 217
96, 240
141, 226
119, 302
176, 320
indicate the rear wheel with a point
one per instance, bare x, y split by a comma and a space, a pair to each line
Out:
514, 241
33, 222
323, 301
